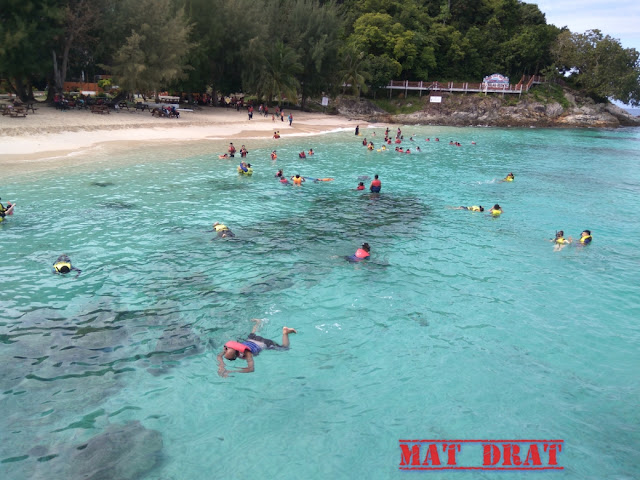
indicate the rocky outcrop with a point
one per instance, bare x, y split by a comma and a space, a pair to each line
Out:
121, 452
499, 111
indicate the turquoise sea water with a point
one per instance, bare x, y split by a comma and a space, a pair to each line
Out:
460, 326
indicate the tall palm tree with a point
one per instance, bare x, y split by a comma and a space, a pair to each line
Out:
354, 72
278, 76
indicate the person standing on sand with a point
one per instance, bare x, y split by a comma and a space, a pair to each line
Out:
290, 119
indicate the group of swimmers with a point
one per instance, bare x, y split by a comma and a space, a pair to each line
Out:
298, 179
559, 242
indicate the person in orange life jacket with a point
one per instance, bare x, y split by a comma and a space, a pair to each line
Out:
249, 348
360, 186
297, 180
376, 185
231, 150
302, 154
361, 253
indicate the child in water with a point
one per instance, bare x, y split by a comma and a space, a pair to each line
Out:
560, 242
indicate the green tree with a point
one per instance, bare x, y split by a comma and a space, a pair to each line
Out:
314, 33
154, 55
79, 17
354, 71
28, 28
280, 66
599, 65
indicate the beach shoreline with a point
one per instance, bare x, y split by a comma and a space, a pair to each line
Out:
50, 138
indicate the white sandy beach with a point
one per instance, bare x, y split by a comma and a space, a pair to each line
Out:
47, 138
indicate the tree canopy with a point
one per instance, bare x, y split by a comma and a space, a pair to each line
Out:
299, 48
599, 65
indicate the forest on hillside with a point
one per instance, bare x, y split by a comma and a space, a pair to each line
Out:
299, 48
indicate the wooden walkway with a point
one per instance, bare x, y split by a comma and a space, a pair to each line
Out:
525, 83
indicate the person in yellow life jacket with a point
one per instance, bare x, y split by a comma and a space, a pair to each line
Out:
473, 208
250, 348
559, 242
6, 211
63, 266
297, 180
496, 211
245, 169
509, 178
222, 230
585, 238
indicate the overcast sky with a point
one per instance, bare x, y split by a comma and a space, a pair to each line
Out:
619, 19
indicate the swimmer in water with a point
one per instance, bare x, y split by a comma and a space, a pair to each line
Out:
496, 211
63, 266
361, 254
360, 186
473, 208
250, 348
376, 185
560, 242
6, 211
585, 238
297, 180
222, 231
508, 178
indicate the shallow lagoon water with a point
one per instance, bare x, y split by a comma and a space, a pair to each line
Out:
460, 326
